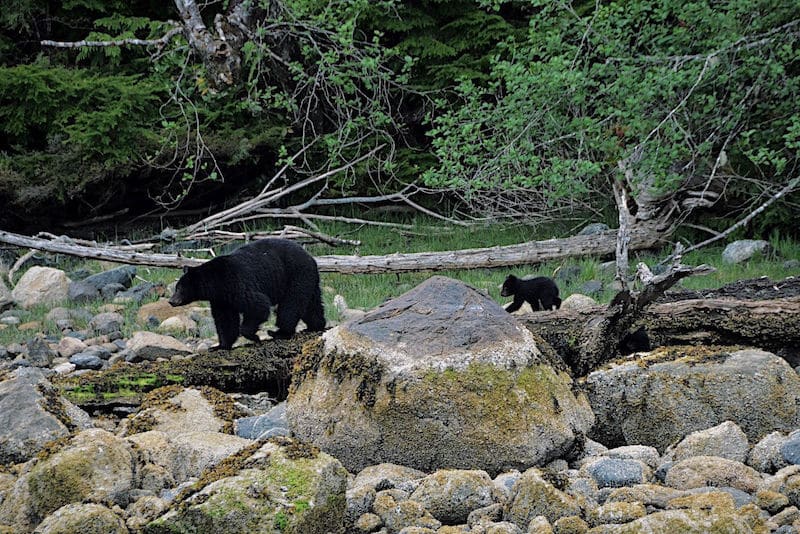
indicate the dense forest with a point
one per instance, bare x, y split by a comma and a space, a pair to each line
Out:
524, 110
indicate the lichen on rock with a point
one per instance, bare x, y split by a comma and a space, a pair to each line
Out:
441, 377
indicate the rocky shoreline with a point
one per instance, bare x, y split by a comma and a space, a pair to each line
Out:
682, 439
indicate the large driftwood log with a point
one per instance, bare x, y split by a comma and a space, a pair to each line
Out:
769, 324
642, 236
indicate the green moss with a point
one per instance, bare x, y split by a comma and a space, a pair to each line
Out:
281, 520
530, 396
263, 367
53, 486
269, 484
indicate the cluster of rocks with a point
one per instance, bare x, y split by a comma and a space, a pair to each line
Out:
437, 412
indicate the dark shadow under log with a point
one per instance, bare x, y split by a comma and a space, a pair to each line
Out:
735, 319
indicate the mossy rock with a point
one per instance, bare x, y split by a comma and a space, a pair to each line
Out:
441, 377
282, 486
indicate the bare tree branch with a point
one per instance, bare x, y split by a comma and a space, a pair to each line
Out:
161, 41
792, 185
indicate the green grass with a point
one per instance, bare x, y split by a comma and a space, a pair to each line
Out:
367, 291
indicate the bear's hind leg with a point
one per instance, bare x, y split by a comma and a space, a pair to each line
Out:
314, 316
226, 321
287, 317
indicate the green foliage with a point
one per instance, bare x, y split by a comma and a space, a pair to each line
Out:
55, 118
448, 40
679, 82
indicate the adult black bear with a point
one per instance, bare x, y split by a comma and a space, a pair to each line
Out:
247, 282
540, 292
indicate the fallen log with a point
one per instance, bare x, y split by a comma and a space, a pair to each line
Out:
642, 236
250, 368
772, 325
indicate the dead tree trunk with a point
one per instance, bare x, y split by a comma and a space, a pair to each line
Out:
642, 236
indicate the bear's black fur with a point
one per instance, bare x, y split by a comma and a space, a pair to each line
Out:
540, 292
247, 282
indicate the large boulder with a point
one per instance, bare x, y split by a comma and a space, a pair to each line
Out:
93, 466
440, 377
660, 398
280, 486
41, 285
33, 414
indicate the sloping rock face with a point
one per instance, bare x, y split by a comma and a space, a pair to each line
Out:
672, 392
32, 414
440, 377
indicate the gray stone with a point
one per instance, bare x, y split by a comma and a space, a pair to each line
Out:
791, 264
359, 502
765, 456
39, 353
592, 287
656, 401
388, 476
109, 291
181, 411
86, 360
150, 346
726, 440
593, 229
744, 249
576, 301
504, 482
419, 382
106, 323
121, 275
701, 471
249, 499
451, 494
29, 415
272, 423
93, 466
790, 448
647, 455
80, 291
136, 294
740, 498
616, 473
398, 515
568, 273
6, 299
84, 518
41, 285
534, 496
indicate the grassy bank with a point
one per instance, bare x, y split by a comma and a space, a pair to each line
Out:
368, 291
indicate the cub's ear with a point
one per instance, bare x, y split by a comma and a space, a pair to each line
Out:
186, 269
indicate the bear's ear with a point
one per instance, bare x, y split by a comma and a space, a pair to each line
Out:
186, 269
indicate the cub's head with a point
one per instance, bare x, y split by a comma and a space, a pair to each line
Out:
509, 287
185, 289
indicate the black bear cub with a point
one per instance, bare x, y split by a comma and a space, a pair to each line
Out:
540, 292
250, 280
